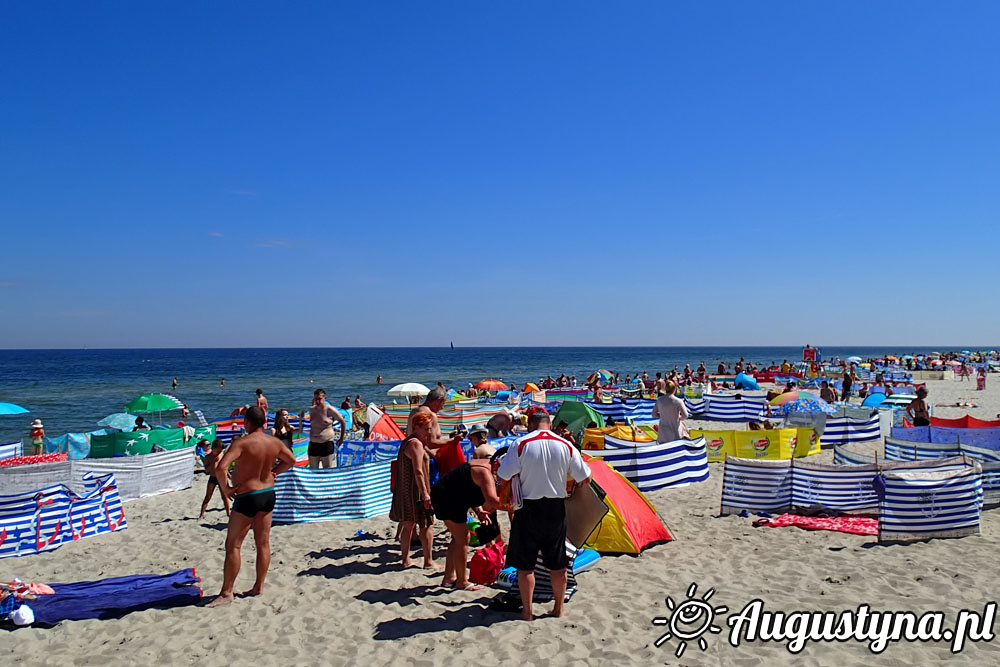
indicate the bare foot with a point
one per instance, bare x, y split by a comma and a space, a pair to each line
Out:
446, 582
468, 586
556, 613
526, 615
433, 566
220, 600
253, 592
408, 564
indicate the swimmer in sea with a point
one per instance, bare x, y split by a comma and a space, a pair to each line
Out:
252, 491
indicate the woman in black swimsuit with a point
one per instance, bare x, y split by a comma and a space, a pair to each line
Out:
469, 486
282, 429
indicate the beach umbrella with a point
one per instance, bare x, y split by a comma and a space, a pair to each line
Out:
790, 396
490, 385
854, 360
409, 389
953, 363
119, 420
602, 374
897, 400
153, 403
907, 356
531, 386
807, 405
11, 409
873, 400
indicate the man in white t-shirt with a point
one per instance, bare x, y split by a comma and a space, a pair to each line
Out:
543, 461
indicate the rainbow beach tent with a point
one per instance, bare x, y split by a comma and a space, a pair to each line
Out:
631, 524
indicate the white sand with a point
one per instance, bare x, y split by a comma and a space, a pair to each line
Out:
330, 600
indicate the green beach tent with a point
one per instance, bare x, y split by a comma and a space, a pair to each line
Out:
577, 416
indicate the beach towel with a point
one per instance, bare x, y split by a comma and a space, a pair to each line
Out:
856, 525
40, 458
116, 597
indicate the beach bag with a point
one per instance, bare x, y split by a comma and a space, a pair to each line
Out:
486, 563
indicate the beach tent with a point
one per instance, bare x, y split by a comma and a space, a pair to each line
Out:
744, 381
631, 524
577, 416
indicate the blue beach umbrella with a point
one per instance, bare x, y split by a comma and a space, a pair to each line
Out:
11, 409
119, 420
873, 400
807, 405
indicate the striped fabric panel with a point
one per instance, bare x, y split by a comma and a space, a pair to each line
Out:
307, 495
621, 412
930, 503
721, 407
45, 519
902, 450
991, 483
543, 578
848, 430
756, 485
657, 465
842, 456
11, 450
837, 488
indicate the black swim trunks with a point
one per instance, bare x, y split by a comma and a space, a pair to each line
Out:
252, 503
921, 421
212, 481
322, 448
539, 526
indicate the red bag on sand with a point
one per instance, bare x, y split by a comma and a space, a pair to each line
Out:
487, 563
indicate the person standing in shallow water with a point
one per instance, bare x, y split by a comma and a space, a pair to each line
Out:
253, 497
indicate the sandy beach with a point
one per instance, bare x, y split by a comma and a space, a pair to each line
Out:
332, 599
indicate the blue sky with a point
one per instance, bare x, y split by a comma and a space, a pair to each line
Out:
518, 173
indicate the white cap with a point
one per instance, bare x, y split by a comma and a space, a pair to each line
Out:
23, 615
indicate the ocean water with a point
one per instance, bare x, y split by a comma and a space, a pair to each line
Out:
70, 390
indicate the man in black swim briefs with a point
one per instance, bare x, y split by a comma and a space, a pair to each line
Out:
253, 491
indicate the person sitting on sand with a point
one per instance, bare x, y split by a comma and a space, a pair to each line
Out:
754, 426
470, 486
252, 491
211, 461
827, 393
562, 430
140, 424
411, 496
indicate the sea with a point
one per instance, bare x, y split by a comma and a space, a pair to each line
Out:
70, 390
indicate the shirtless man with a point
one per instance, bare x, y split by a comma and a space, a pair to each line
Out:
253, 493
211, 462
659, 387
322, 449
432, 404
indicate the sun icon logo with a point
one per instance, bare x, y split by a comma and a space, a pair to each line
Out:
690, 619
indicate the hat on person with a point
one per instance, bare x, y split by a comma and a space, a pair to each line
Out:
537, 408
36, 424
180, 424
478, 428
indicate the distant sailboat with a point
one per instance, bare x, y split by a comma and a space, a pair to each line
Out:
453, 345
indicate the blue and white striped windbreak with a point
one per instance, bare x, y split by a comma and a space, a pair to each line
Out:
725, 407
329, 494
656, 465
45, 519
10, 450
919, 505
641, 409
849, 430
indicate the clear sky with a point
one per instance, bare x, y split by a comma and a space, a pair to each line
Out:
179, 174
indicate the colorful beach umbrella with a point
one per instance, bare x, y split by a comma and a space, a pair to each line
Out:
490, 385
807, 405
409, 389
153, 403
11, 409
602, 374
531, 386
798, 395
